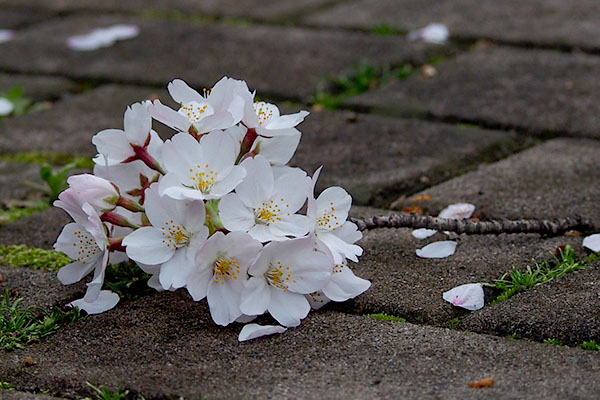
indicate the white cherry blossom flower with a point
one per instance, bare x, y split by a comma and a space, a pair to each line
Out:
220, 272
102, 37
176, 233
266, 206
219, 108
86, 243
342, 286
469, 296
98, 192
6, 107
280, 277
200, 171
267, 121
328, 214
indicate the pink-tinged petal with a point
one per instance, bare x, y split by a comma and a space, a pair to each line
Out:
293, 187
113, 144
457, 211
333, 205
137, 123
469, 296
263, 234
317, 299
233, 178
294, 225
197, 283
253, 331
258, 185
287, 121
174, 272
105, 301
224, 303
288, 308
74, 233
279, 149
181, 153
182, 93
344, 285
234, 214
147, 245
218, 120
592, 242
255, 297
168, 116
441, 249
339, 248
423, 233
75, 271
219, 150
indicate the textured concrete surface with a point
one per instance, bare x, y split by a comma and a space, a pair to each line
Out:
152, 341
21, 17
37, 87
27, 230
534, 90
202, 53
538, 22
556, 179
14, 180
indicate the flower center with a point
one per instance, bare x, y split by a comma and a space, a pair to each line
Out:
268, 212
175, 236
203, 179
278, 275
195, 111
328, 220
86, 246
225, 269
264, 111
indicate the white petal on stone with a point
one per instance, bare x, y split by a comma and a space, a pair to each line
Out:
469, 296
105, 301
592, 242
253, 331
457, 211
432, 33
441, 249
103, 37
6, 107
6, 35
423, 233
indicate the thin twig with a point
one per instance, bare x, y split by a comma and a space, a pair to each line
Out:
553, 227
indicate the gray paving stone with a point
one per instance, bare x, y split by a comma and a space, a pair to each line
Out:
69, 125
38, 230
534, 90
377, 158
407, 286
541, 22
14, 179
567, 309
256, 9
38, 288
285, 61
14, 395
155, 349
556, 179
37, 87
18, 18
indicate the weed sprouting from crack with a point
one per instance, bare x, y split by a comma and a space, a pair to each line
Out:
590, 345
555, 342
515, 281
21, 325
104, 393
385, 317
127, 280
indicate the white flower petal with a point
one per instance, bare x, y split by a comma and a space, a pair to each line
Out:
168, 116
106, 300
6, 107
103, 37
234, 214
423, 233
432, 33
253, 331
592, 242
457, 211
182, 93
6, 35
441, 249
469, 296
147, 245
288, 308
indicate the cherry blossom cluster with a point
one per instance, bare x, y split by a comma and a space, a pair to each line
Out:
213, 209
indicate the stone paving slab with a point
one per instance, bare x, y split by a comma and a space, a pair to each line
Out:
17, 18
378, 158
14, 395
538, 22
286, 61
407, 286
14, 177
38, 230
567, 309
533, 90
556, 179
38, 288
155, 349
37, 87
256, 9
69, 125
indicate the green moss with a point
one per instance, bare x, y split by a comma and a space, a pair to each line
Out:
590, 345
555, 342
385, 317
384, 29
6, 386
15, 213
31, 257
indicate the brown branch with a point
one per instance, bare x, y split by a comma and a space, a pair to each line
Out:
553, 227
